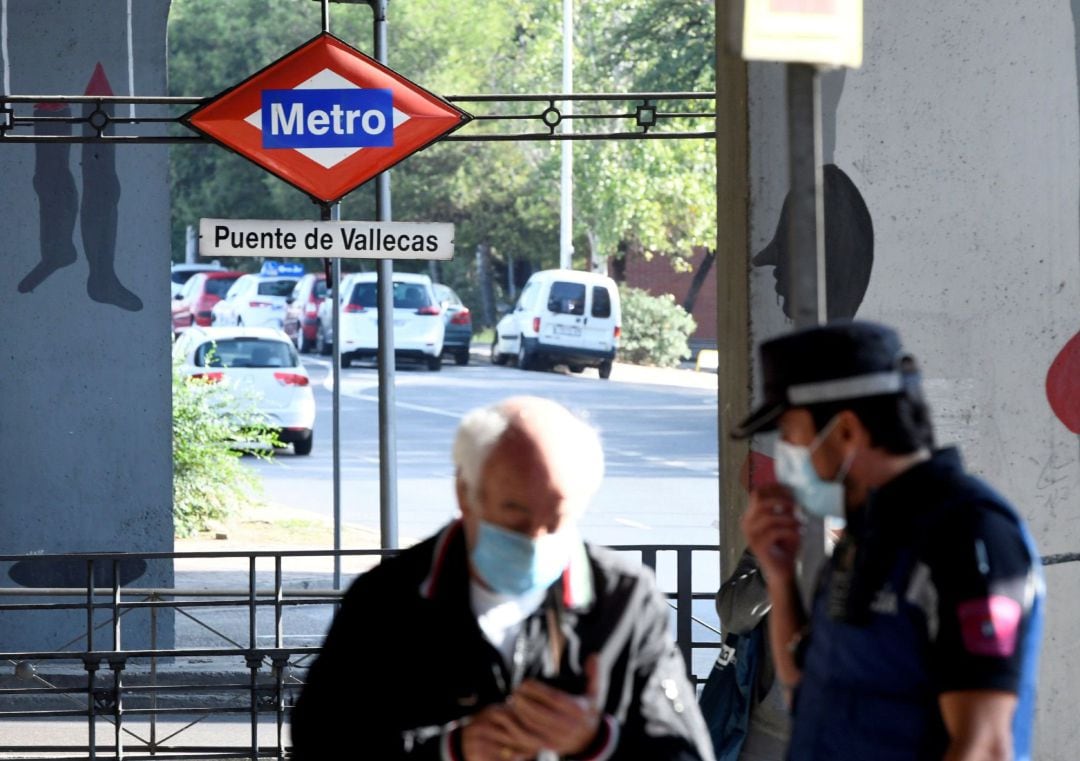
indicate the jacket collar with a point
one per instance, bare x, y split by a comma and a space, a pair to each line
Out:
449, 566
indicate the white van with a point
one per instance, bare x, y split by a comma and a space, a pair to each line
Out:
562, 317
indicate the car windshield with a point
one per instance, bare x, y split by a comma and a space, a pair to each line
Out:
406, 296
218, 286
246, 352
276, 287
567, 298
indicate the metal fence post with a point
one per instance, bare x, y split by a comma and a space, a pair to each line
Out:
684, 602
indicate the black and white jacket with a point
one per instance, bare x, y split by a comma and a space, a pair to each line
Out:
405, 663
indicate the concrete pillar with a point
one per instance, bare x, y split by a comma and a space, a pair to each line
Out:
732, 284
85, 397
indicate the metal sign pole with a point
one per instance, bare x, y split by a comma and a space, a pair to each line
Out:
333, 213
806, 244
388, 518
806, 234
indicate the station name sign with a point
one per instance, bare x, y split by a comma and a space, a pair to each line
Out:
346, 240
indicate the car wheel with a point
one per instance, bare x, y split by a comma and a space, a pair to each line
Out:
524, 357
497, 358
577, 368
462, 357
302, 446
321, 346
435, 363
346, 360
605, 369
302, 344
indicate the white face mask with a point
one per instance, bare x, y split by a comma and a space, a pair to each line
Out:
795, 470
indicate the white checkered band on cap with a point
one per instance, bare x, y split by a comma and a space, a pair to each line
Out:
874, 384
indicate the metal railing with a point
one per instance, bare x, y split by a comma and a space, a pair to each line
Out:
238, 652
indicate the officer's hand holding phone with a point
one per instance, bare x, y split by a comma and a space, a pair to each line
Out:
773, 526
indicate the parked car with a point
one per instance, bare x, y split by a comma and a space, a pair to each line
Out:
254, 301
562, 317
302, 312
192, 306
182, 272
261, 363
457, 322
418, 323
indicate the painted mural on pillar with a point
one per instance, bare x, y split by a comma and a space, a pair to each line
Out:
849, 247
1063, 377
849, 228
96, 206
1063, 385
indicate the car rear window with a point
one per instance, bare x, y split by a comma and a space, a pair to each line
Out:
246, 352
219, 286
410, 296
364, 295
601, 301
320, 289
276, 287
566, 298
182, 276
406, 296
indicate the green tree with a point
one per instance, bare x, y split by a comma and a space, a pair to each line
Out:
648, 197
503, 197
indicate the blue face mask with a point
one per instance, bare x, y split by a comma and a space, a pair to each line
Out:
514, 564
795, 470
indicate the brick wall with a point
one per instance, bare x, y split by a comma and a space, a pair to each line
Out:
658, 277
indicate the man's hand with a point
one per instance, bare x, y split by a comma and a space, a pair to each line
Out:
773, 528
561, 722
494, 734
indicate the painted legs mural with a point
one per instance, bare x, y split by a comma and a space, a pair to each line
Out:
58, 204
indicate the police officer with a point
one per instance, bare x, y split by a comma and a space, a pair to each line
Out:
923, 633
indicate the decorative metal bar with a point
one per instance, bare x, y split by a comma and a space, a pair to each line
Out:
16, 123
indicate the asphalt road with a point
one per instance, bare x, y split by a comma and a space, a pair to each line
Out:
660, 435
660, 441
659, 430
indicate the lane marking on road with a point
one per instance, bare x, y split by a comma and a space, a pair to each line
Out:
631, 524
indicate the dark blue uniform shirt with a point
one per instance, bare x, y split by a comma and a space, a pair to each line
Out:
935, 586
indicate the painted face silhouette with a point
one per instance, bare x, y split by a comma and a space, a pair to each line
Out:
849, 247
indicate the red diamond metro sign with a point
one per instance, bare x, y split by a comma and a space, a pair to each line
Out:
326, 118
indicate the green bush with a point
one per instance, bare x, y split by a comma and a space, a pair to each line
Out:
655, 329
212, 424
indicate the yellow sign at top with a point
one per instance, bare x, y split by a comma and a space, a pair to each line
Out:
827, 32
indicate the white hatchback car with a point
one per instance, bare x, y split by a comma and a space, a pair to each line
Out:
261, 363
254, 301
418, 324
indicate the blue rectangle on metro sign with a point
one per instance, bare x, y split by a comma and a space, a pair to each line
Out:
353, 118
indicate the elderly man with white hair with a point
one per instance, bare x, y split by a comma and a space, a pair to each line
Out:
505, 636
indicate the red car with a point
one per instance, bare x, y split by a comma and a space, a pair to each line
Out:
193, 303
301, 315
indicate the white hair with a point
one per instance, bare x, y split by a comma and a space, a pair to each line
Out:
480, 430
